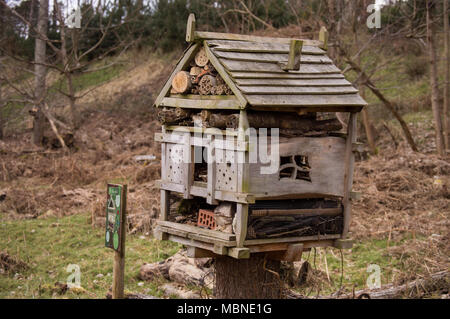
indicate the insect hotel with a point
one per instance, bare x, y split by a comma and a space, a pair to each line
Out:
216, 198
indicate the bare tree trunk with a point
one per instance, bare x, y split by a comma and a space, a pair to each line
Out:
447, 77
367, 82
1, 109
254, 278
40, 72
434, 80
364, 112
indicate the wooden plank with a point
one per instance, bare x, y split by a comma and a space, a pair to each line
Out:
195, 252
198, 130
202, 238
307, 100
257, 47
253, 242
225, 76
270, 57
239, 253
190, 28
188, 166
190, 242
298, 90
225, 104
241, 218
234, 65
293, 82
211, 184
286, 75
165, 205
204, 35
199, 189
198, 230
349, 164
204, 97
343, 243
187, 56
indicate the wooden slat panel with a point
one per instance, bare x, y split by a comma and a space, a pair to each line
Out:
198, 230
233, 65
293, 82
306, 100
244, 46
200, 104
270, 57
204, 35
262, 75
298, 90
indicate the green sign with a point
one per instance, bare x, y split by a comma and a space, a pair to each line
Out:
115, 216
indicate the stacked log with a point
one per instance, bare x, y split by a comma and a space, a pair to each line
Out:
202, 79
290, 124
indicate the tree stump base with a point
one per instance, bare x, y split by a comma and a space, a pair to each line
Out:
254, 278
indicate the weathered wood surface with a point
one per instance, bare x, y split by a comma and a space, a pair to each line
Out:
234, 65
256, 47
271, 57
225, 76
293, 82
204, 35
353, 100
198, 230
270, 75
348, 170
325, 156
231, 104
267, 90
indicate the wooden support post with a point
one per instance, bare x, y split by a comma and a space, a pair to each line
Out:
241, 219
211, 185
165, 204
295, 53
190, 28
188, 166
323, 37
119, 256
348, 177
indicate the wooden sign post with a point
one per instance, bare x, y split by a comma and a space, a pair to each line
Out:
115, 234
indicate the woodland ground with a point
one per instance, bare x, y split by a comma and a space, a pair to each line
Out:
52, 212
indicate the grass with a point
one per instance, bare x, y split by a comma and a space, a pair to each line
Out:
50, 245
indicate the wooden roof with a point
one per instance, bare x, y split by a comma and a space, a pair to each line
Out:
255, 70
